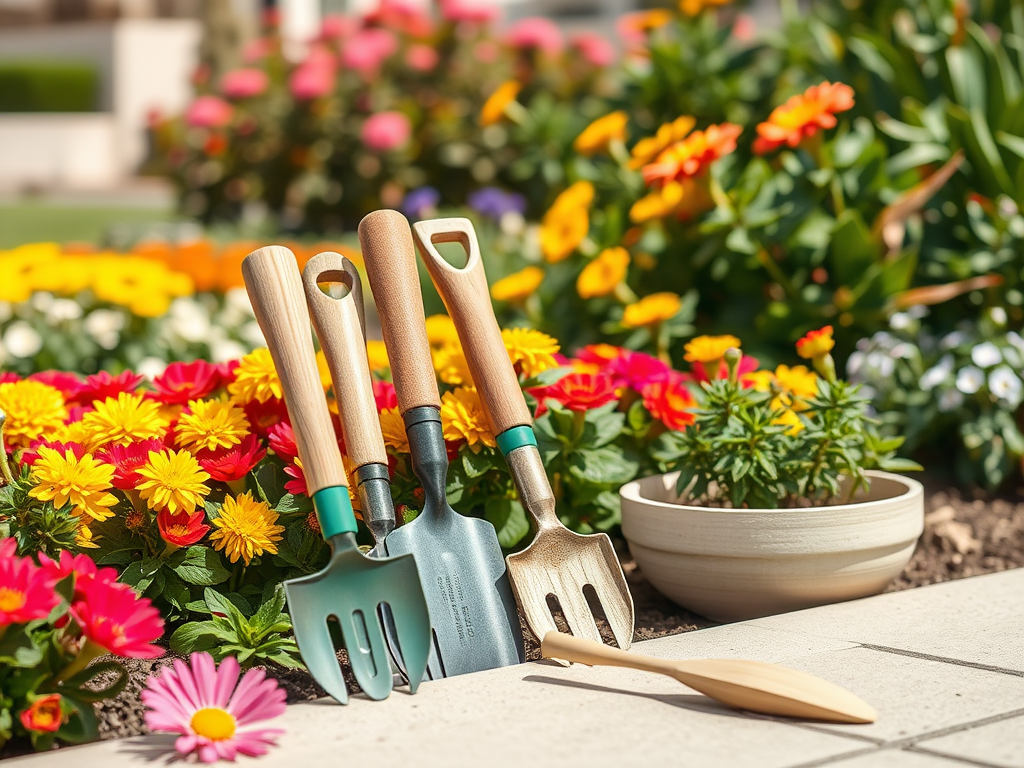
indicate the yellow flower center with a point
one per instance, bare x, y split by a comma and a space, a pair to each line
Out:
214, 723
11, 599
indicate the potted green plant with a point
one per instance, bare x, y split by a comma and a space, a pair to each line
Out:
782, 496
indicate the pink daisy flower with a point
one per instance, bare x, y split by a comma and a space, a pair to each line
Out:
26, 591
215, 719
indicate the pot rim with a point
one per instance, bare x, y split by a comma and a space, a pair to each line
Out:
631, 492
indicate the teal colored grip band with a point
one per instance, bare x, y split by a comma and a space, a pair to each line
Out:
334, 511
514, 438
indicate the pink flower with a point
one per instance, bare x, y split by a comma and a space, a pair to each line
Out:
30, 454
744, 28
229, 464
82, 566
281, 438
469, 11
536, 32
384, 394
244, 83
297, 486
208, 112
486, 51
385, 131
68, 383
212, 711
339, 26
314, 77
594, 48
26, 590
366, 50
256, 49
422, 58
181, 382
127, 460
102, 385
113, 617
636, 370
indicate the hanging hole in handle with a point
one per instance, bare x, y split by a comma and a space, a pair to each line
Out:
453, 247
334, 283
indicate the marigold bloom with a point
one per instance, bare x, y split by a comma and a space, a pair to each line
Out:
26, 591
670, 402
682, 199
392, 428
652, 310
577, 195
246, 528
463, 418
173, 480
441, 331
668, 134
802, 115
127, 419
182, 530
255, 379
43, 715
792, 419
181, 382
582, 391
816, 343
709, 349
518, 286
211, 424
229, 464
693, 155
597, 136
113, 617
377, 355
83, 483
562, 231
530, 351
493, 109
216, 715
798, 383
695, 7
603, 274
451, 365
33, 410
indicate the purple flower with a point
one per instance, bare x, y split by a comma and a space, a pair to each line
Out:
495, 203
420, 202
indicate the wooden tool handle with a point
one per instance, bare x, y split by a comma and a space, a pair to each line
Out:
557, 645
340, 331
465, 294
391, 267
275, 289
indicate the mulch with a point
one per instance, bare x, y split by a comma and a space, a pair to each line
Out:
965, 535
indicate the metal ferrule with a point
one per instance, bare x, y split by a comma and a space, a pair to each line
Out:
373, 487
429, 453
535, 492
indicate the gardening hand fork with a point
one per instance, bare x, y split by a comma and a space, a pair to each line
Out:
352, 588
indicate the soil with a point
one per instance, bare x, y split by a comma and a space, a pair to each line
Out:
965, 535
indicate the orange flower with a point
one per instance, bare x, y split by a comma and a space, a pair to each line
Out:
693, 155
601, 275
802, 116
682, 199
816, 343
494, 108
44, 715
599, 134
668, 134
669, 401
694, 7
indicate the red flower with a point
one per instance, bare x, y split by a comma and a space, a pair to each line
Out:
102, 385
384, 394
82, 566
263, 416
67, 383
26, 590
44, 715
113, 617
281, 438
9, 377
181, 530
296, 487
747, 365
636, 370
127, 459
30, 454
181, 382
670, 401
693, 155
582, 391
228, 464
600, 354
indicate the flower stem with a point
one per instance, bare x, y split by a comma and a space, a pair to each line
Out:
5, 466
89, 652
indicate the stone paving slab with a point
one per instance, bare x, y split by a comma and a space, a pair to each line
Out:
932, 707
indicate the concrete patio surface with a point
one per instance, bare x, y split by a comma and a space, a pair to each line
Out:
944, 666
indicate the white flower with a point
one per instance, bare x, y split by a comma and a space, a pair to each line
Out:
238, 300
63, 310
253, 334
1004, 384
986, 354
955, 339
937, 373
22, 340
1015, 340
970, 379
950, 400
222, 350
881, 363
918, 311
105, 325
151, 367
998, 315
855, 363
188, 320
900, 321
41, 301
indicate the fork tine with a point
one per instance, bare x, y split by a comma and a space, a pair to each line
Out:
316, 645
367, 652
578, 616
435, 670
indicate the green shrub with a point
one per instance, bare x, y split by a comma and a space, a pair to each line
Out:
47, 86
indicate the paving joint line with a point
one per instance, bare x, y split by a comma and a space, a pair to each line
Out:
943, 659
966, 760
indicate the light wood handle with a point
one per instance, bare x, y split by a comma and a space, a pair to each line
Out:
468, 299
340, 331
395, 281
558, 645
275, 289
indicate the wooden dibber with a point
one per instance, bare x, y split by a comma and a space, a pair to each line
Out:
751, 685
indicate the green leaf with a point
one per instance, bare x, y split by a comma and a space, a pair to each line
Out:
193, 636
18, 648
202, 567
853, 248
603, 465
509, 520
477, 463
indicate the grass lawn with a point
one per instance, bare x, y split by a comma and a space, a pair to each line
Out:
30, 222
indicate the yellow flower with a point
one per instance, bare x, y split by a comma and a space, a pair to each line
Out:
173, 480
246, 528
599, 134
128, 419
518, 286
451, 364
324, 370
668, 134
816, 343
578, 195
211, 424
33, 410
255, 378
601, 275
683, 199
81, 482
797, 381
441, 331
792, 419
652, 310
463, 418
709, 349
529, 350
392, 427
694, 7
561, 232
760, 380
377, 355
494, 108
83, 538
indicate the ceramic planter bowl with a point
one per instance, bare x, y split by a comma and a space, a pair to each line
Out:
736, 564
